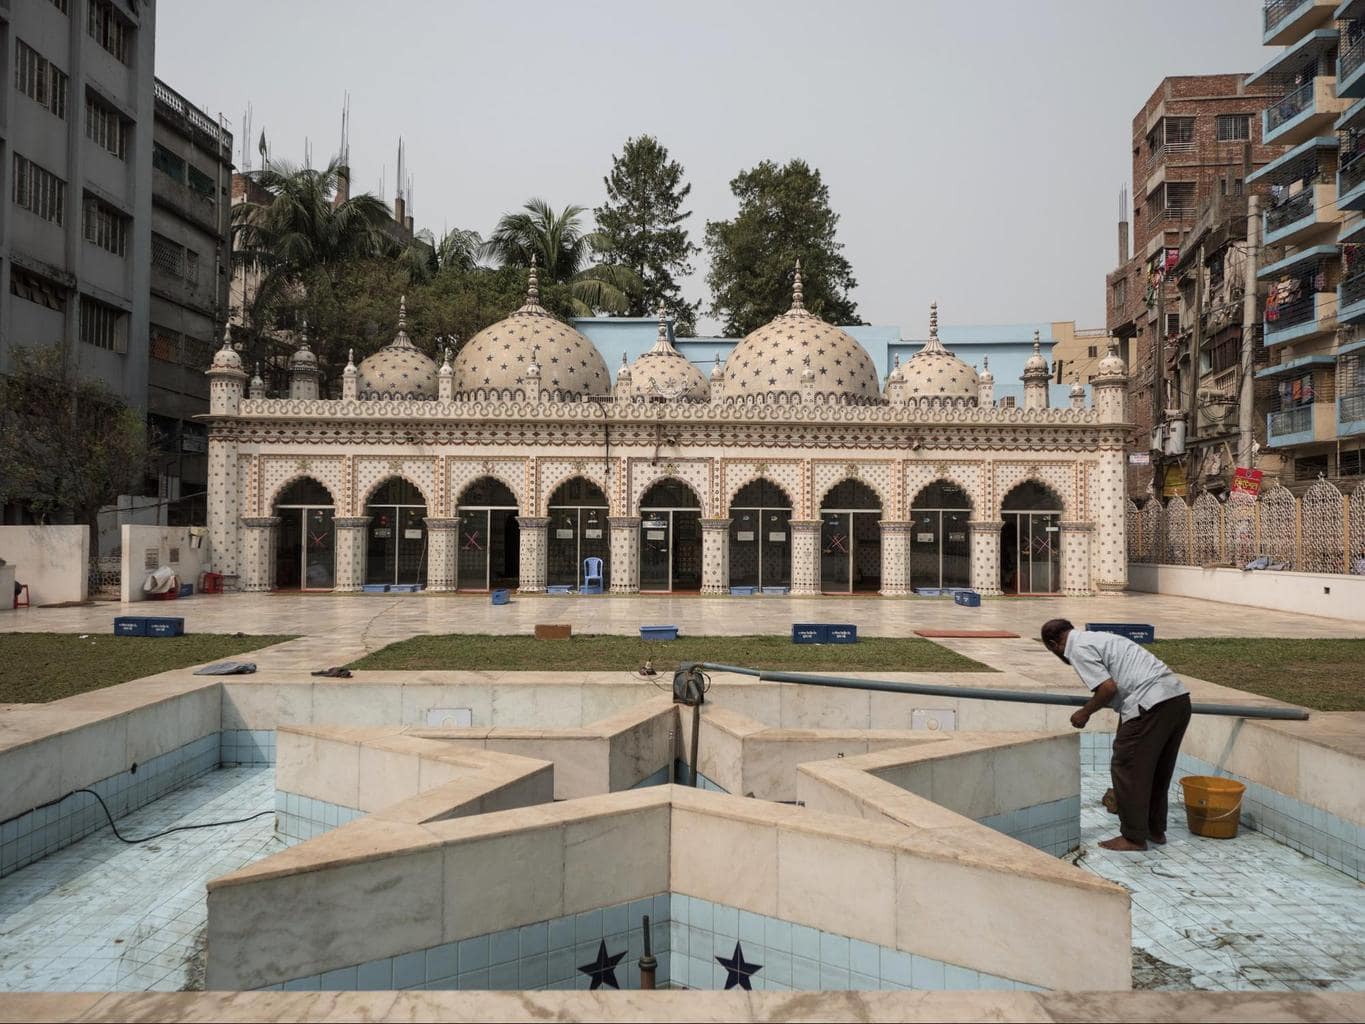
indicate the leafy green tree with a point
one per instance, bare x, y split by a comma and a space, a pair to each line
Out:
424, 257
565, 252
784, 215
68, 445
642, 224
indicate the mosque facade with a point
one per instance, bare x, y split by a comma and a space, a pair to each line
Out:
790, 468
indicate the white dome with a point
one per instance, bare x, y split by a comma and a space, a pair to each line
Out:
399, 369
933, 374
664, 372
1112, 365
500, 354
772, 359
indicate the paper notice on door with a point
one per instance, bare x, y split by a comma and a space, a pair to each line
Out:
654, 534
412, 534
383, 532
924, 538
564, 534
744, 535
592, 534
957, 538
776, 538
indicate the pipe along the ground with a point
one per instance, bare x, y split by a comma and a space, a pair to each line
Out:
687, 690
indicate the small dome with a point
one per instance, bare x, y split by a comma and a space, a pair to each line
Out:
718, 371
399, 369
226, 358
774, 359
499, 355
1037, 363
1078, 390
664, 372
1112, 365
303, 357
933, 374
986, 377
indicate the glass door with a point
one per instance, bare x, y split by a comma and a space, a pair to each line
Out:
957, 548
472, 557
576, 534
319, 547
1040, 561
289, 549
656, 549
836, 552
686, 553
866, 557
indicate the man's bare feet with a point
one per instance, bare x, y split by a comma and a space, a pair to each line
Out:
1158, 837
1110, 801
1120, 844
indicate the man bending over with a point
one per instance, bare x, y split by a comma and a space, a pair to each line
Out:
1154, 709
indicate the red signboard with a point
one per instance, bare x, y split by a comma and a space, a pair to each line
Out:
1248, 481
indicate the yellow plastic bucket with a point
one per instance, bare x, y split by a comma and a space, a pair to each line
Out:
1213, 806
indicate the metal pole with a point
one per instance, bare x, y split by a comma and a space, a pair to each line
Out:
649, 963
978, 692
1247, 394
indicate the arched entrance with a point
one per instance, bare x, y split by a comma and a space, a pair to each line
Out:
489, 553
305, 540
940, 541
760, 536
850, 539
670, 538
578, 530
396, 552
1030, 541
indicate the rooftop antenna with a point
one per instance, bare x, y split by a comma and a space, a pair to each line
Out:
307, 152
344, 150
246, 138
400, 167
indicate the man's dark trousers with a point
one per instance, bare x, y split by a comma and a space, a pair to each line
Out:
1145, 751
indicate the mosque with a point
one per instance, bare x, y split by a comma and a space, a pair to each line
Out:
790, 469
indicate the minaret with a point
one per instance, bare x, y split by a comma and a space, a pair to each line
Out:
1036, 377
895, 383
303, 369
623, 380
350, 377
445, 378
226, 379
1109, 386
717, 380
1078, 395
985, 390
807, 380
256, 389
535, 392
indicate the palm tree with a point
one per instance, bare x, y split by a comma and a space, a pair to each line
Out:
565, 252
424, 257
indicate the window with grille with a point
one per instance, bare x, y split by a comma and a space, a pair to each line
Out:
1172, 324
31, 287
1351, 463
200, 182
38, 191
103, 326
191, 266
108, 28
39, 79
164, 344
168, 256
1179, 131
106, 128
1092, 351
105, 226
1232, 127
167, 162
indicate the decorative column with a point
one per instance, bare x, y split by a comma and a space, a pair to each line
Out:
986, 555
1076, 558
533, 533
352, 538
805, 556
258, 550
1109, 546
895, 554
625, 554
443, 541
224, 503
715, 556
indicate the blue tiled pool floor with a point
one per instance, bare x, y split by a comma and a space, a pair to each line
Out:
104, 916
1244, 913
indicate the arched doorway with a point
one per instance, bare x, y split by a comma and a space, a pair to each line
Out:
850, 539
305, 541
396, 552
578, 530
940, 541
1030, 540
670, 538
760, 536
490, 538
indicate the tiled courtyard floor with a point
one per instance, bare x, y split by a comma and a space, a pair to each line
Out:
1245, 913
101, 915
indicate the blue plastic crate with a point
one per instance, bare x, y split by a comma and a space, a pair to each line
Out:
375, 588
809, 633
929, 591
743, 591
658, 632
130, 625
841, 634
501, 596
165, 625
187, 590
559, 589
967, 598
1138, 632
776, 591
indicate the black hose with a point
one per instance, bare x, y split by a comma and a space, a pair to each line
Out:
156, 835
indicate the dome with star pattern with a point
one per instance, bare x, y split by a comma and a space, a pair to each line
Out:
772, 359
499, 355
664, 372
933, 374
399, 370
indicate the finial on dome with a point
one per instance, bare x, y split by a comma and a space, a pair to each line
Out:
798, 299
446, 368
807, 374
402, 312
986, 363
532, 284
663, 322
350, 359
624, 361
717, 371
227, 336
1037, 343
933, 319
534, 368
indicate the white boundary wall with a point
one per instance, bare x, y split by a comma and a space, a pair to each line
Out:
1333, 595
53, 560
173, 546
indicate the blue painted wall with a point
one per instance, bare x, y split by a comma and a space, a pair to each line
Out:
1007, 345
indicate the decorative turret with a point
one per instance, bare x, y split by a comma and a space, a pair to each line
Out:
226, 378
624, 381
665, 374
399, 370
350, 377
1078, 395
256, 389
1109, 386
717, 380
807, 374
985, 386
535, 389
303, 369
1036, 377
933, 375
895, 383
445, 378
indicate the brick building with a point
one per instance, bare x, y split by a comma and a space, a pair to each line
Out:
1196, 136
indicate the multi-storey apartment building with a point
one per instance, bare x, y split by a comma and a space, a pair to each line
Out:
1195, 137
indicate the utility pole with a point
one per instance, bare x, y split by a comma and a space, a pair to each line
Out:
1247, 394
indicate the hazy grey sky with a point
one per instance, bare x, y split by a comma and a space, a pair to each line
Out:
974, 151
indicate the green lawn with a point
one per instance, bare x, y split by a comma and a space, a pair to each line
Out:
39, 667
1326, 675
595, 652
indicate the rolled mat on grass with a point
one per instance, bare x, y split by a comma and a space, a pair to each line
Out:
966, 634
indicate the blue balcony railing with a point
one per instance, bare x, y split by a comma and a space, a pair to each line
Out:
1351, 406
1352, 172
1282, 111
1290, 421
1277, 10
1290, 211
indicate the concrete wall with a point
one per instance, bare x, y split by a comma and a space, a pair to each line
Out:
1334, 595
53, 560
173, 547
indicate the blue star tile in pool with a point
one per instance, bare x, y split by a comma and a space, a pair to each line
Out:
737, 970
603, 970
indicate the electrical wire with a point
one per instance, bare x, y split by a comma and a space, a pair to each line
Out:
156, 835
